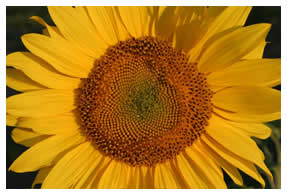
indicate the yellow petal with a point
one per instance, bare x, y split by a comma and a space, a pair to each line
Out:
70, 169
92, 172
11, 120
140, 178
192, 24
45, 32
17, 80
60, 124
236, 142
60, 54
212, 12
187, 169
219, 19
135, 19
231, 47
187, 35
135, 180
249, 100
45, 153
257, 130
26, 137
256, 53
153, 14
165, 177
246, 118
136, 177
41, 72
261, 72
165, 26
41, 175
108, 24
41, 103
116, 176
187, 14
206, 168
52, 31
245, 165
76, 26
149, 177
230, 17
96, 175
227, 167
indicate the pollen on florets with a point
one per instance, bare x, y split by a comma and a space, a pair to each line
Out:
143, 103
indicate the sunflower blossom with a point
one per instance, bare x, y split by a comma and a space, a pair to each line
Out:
143, 97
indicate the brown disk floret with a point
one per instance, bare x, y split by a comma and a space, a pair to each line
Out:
143, 103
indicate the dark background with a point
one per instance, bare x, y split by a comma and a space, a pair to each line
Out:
18, 23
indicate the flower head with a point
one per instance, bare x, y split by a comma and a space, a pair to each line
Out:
143, 97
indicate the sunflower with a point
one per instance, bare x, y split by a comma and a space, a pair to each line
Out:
143, 97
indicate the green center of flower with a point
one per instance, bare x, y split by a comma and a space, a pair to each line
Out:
143, 103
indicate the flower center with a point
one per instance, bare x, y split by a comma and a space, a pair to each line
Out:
143, 103
142, 100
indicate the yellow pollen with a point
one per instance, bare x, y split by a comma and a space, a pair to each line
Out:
143, 103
